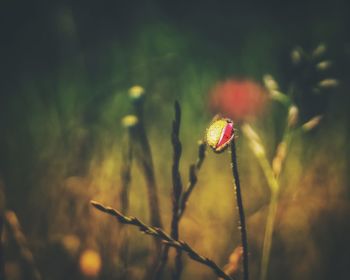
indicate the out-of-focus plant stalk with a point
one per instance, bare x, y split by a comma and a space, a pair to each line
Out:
144, 157
272, 172
259, 151
129, 122
270, 223
272, 175
27, 259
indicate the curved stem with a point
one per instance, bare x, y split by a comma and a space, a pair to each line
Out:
242, 225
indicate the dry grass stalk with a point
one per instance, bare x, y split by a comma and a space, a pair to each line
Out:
194, 168
180, 198
144, 158
163, 236
273, 171
193, 171
129, 122
143, 155
177, 187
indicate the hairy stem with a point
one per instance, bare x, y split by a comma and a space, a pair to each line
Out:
242, 224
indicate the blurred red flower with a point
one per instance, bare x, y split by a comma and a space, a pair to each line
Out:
238, 99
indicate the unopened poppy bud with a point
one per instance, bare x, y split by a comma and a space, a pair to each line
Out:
220, 134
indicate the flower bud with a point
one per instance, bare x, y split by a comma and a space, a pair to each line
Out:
220, 134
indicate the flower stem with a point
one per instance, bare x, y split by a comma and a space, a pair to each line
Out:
268, 235
242, 225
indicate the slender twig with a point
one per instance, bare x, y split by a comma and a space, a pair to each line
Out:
242, 224
166, 238
193, 171
194, 168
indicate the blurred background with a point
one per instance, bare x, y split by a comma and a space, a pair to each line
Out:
66, 68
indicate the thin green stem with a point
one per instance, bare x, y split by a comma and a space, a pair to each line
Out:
270, 223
